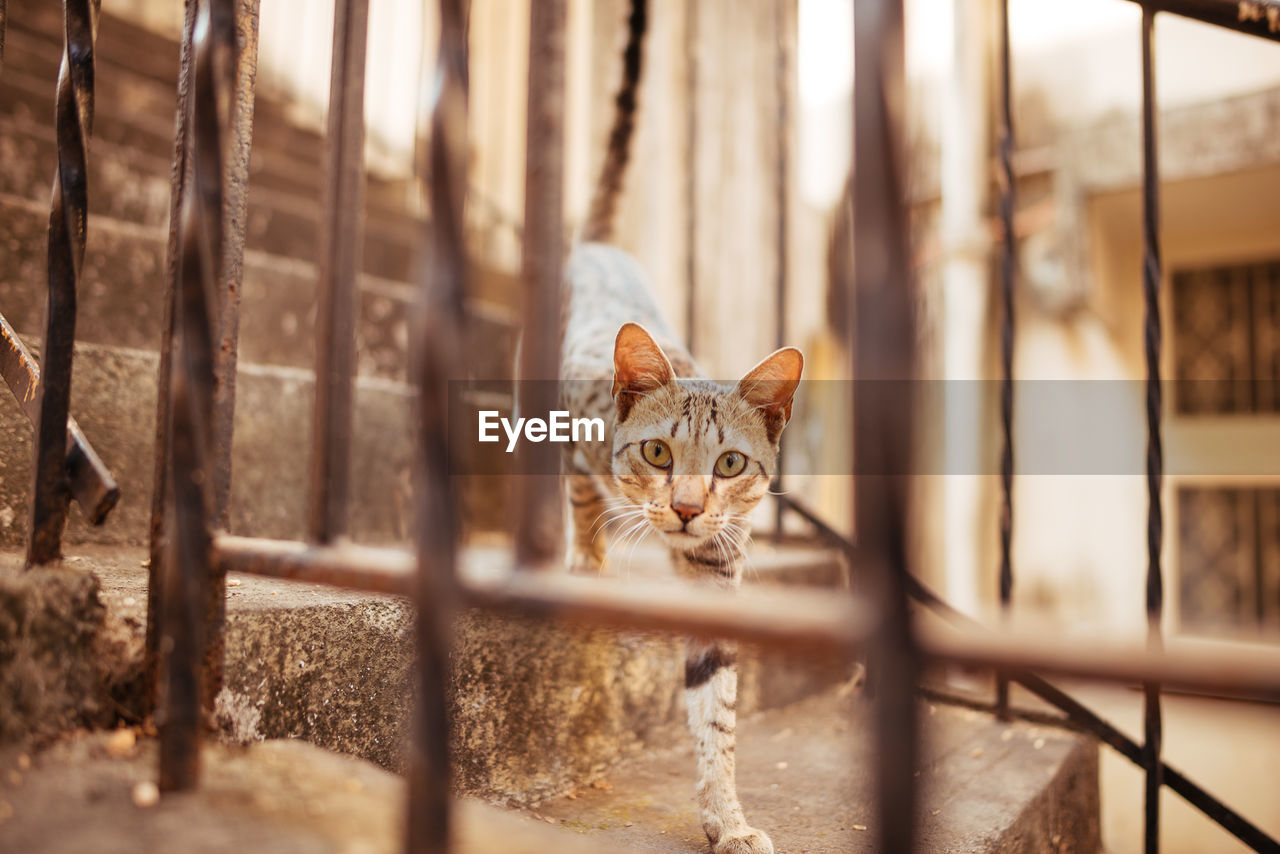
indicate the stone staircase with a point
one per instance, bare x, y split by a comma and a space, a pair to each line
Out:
540, 710
290, 652
120, 306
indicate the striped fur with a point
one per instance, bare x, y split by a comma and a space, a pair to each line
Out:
622, 363
644, 390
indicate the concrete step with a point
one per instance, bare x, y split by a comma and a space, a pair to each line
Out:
119, 299
284, 797
113, 395
135, 96
806, 778
538, 708
136, 77
581, 730
130, 182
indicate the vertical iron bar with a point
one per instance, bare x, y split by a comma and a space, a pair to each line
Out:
691, 176
1151, 274
179, 182
538, 487
239, 136
783, 10
339, 250
1008, 197
884, 342
68, 220
438, 338
239, 141
235, 142
181, 628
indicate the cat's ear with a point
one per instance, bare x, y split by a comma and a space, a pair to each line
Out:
770, 386
639, 367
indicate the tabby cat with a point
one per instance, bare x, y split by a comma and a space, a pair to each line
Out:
687, 457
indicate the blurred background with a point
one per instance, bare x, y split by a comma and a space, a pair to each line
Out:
741, 159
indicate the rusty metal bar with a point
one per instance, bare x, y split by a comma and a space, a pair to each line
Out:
345, 564
183, 606
68, 220
1252, 17
439, 333
1246, 672
91, 484
537, 497
791, 619
239, 78
884, 340
1151, 276
787, 619
161, 494
690, 189
239, 136
340, 239
782, 198
3, 17
1008, 268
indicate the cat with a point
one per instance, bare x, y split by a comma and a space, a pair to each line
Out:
687, 457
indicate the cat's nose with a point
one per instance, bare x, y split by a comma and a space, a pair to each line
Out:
686, 512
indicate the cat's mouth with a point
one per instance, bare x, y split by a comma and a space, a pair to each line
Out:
684, 539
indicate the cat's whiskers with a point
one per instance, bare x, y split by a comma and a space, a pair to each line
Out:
613, 524
742, 534
634, 532
613, 517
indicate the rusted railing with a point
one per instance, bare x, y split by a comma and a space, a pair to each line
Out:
190, 557
538, 496
1008, 268
339, 253
1151, 281
68, 222
65, 466
201, 298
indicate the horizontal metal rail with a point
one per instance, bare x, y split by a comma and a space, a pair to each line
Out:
785, 619
91, 484
1252, 17
1246, 672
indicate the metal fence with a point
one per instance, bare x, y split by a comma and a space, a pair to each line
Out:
191, 555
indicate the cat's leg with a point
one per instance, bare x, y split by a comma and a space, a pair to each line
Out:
588, 540
711, 692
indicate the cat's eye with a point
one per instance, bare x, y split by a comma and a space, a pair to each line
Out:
730, 464
656, 453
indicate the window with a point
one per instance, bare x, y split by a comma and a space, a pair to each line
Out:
1226, 354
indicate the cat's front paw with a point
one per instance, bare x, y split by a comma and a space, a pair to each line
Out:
748, 841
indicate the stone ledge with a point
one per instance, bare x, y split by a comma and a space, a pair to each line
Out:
279, 796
